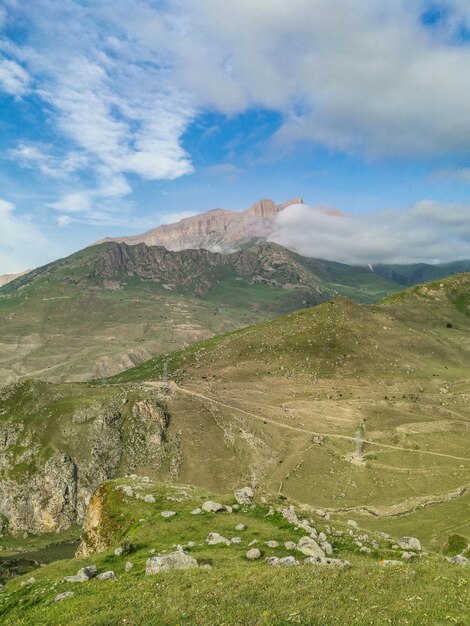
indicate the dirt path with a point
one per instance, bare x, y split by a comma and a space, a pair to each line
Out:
304, 431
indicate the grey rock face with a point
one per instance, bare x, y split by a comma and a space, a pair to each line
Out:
174, 560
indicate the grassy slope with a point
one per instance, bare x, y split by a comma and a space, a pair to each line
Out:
397, 367
234, 591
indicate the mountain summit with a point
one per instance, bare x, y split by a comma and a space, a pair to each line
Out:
219, 230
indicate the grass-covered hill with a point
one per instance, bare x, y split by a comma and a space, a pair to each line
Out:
112, 306
226, 587
275, 406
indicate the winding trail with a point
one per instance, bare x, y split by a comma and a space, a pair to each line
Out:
303, 431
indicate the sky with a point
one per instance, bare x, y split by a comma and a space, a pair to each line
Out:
120, 115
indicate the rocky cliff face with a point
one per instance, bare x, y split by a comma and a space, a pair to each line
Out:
219, 230
47, 479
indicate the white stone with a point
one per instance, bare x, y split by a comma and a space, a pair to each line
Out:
244, 495
168, 513
212, 507
310, 547
252, 554
409, 543
240, 527
214, 539
174, 560
106, 575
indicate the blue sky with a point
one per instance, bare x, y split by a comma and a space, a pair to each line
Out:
116, 116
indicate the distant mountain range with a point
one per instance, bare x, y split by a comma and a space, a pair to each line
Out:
219, 230
114, 305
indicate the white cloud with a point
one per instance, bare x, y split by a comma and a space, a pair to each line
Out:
22, 245
14, 79
38, 157
427, 232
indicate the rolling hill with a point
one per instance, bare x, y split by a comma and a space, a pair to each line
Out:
110, 306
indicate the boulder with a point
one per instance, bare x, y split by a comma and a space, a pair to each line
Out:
310, 547
63, 596
196, 512
240, 527
83, 574
149, 499
459, 559
106, 575
128, 566
409, 543
236, 540
168, 513
214, 538
173, 560
407, 556
244, 495
212, 507
288, 561
290, 545
272, 544
253, 554
353, 524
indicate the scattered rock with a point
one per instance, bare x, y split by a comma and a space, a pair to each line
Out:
149, 499
366, 550
205, 566
128, 566
322, 538
196, 512
407, 556
253, 542
290, 545
106, 575
390, 562
353, 524
63, 596
174, 560
313, 560
212, 507
236, 540
30, 581
310, 547
272, 544
168, 513
409, 543
118, 551
83, 574
459, 559
253, 554
126, 490
244, 495
214, 538
287, 561
240, 527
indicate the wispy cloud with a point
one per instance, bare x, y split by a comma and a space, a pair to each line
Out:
22, 244
14, 79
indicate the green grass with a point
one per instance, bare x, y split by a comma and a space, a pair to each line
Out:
234, 591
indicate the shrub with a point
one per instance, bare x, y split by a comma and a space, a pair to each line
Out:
455, 544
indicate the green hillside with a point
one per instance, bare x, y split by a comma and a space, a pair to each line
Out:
112, 306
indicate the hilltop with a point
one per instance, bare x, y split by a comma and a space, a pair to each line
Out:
111, 306
219, 230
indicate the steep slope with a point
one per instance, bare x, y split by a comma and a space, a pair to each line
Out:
7, 278
111, 306
218, 230
277, 406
